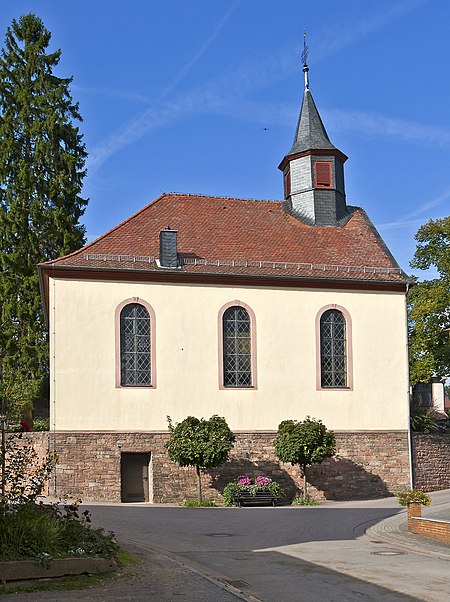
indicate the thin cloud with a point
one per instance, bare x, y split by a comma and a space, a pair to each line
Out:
374, 124
112, 92
412, 219
337, 38
153, 118
218, 95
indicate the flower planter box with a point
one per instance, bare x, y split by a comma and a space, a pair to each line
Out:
19, 570
259, 498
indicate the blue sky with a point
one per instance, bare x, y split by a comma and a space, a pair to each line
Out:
203, 96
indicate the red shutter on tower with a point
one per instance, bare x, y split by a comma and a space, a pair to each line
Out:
287, 184
323, 174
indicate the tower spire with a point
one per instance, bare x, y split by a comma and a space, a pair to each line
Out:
305, 60
313, 169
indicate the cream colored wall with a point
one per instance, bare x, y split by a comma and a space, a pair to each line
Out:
82, 337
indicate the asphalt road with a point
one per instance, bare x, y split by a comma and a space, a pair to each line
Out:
286, 554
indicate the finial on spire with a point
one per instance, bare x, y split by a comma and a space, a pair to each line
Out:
305, 60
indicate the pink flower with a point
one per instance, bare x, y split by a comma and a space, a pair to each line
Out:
262, 481
244, 481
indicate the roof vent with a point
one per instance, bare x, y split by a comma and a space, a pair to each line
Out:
168, 256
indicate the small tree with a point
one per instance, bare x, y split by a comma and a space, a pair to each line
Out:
200, 443
304, 443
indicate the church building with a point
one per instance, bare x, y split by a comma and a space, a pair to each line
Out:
255, 310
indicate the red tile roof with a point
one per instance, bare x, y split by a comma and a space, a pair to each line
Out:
219, 235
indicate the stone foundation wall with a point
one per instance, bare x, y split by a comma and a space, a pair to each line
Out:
431, 461
367, 465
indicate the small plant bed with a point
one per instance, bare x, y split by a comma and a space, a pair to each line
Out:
302, 501
126, 569
248, 491
197, 504
43, 533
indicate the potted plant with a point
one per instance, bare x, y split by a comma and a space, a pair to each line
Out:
252, 489
413, 499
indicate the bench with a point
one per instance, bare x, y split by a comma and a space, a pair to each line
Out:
260, 498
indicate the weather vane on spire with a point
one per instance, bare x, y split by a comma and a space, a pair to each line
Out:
305, 60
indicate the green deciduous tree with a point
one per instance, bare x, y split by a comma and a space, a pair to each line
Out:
429, 304
42, 159
200, 443
304, 443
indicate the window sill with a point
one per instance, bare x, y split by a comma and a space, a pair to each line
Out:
224, 388
146, 387
334, 388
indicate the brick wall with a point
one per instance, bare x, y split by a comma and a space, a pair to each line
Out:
431, 461
367, 465
427, 527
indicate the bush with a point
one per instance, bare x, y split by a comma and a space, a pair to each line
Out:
424, 419
413, 496
41, 424
44, 532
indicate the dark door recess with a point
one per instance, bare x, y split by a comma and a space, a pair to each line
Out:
134, 477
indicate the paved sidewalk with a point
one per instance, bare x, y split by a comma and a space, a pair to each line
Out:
395, 529
157, 578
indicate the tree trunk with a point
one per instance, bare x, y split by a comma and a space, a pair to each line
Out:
3, 456
305, 490
199, 483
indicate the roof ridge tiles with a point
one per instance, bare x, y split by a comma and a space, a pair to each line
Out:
227, 198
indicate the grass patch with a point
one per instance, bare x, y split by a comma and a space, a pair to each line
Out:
197, 504
301, 501
125, 558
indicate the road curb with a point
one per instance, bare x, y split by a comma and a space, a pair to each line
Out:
392, 530
198, 569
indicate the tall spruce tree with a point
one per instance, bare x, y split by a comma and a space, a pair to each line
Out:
42, 157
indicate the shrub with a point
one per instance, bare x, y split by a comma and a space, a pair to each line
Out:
44, 532
41, 424
423, 419
413, 496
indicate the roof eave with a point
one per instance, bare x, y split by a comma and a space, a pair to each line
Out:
324, 151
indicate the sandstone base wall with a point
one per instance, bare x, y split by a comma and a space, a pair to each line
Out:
431, 461
366, 465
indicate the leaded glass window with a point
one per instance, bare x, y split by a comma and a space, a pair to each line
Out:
237, 361
333, 349
135, 364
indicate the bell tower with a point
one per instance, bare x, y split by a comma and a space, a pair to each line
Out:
313, 170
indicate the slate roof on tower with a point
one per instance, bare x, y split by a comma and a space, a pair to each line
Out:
310, 133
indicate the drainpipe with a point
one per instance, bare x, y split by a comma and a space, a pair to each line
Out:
410, 443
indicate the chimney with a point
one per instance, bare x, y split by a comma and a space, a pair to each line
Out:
168, 257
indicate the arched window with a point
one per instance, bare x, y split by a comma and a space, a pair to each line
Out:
333, 349
135, 351
237, 347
